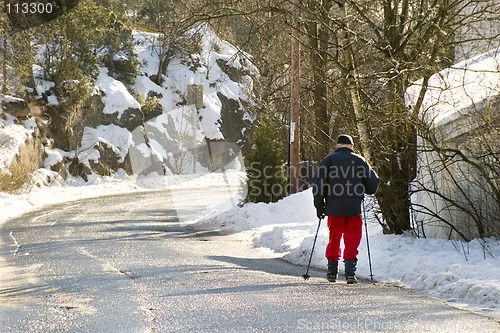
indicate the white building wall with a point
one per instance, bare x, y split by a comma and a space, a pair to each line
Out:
481, 31
454, 107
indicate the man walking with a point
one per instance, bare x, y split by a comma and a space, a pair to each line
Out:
339, 186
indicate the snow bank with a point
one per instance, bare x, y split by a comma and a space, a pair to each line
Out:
466, 274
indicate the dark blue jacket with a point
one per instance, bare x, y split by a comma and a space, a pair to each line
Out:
341, 181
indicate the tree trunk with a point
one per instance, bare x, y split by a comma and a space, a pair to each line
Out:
353, 86
164, 57
396, 161
318, 36
4, 66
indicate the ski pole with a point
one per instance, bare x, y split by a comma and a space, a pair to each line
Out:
306, 276
367, 242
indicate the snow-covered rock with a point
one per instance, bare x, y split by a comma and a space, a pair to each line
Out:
198, 119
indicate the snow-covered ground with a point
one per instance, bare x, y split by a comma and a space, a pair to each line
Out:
467, 275
463, 274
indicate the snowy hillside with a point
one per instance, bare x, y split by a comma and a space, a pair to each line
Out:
202, 68
178, 135
181, 134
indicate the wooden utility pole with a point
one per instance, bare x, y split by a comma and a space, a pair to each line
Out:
195, 99
293, 170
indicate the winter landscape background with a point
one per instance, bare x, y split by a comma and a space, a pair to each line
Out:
196, 110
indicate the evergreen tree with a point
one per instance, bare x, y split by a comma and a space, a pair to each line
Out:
266, 174
16, 59
91, 35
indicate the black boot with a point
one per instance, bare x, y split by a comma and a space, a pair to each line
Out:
350, 269
333, 271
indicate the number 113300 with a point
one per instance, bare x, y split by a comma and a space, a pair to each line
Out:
29, 8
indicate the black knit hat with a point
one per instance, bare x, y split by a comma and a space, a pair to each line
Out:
345, 139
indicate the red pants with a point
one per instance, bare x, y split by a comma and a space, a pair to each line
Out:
351, 227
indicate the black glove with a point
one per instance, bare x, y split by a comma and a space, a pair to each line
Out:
320, 212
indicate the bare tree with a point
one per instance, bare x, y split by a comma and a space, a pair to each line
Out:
361, 56
381, 47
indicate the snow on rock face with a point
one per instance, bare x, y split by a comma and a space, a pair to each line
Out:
21, 148
171, 139
14, 106
112, 139
12, 133
113, 128
203, 95
203, 68
11, 138
116, 97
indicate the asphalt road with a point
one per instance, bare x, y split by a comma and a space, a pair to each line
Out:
126, 264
